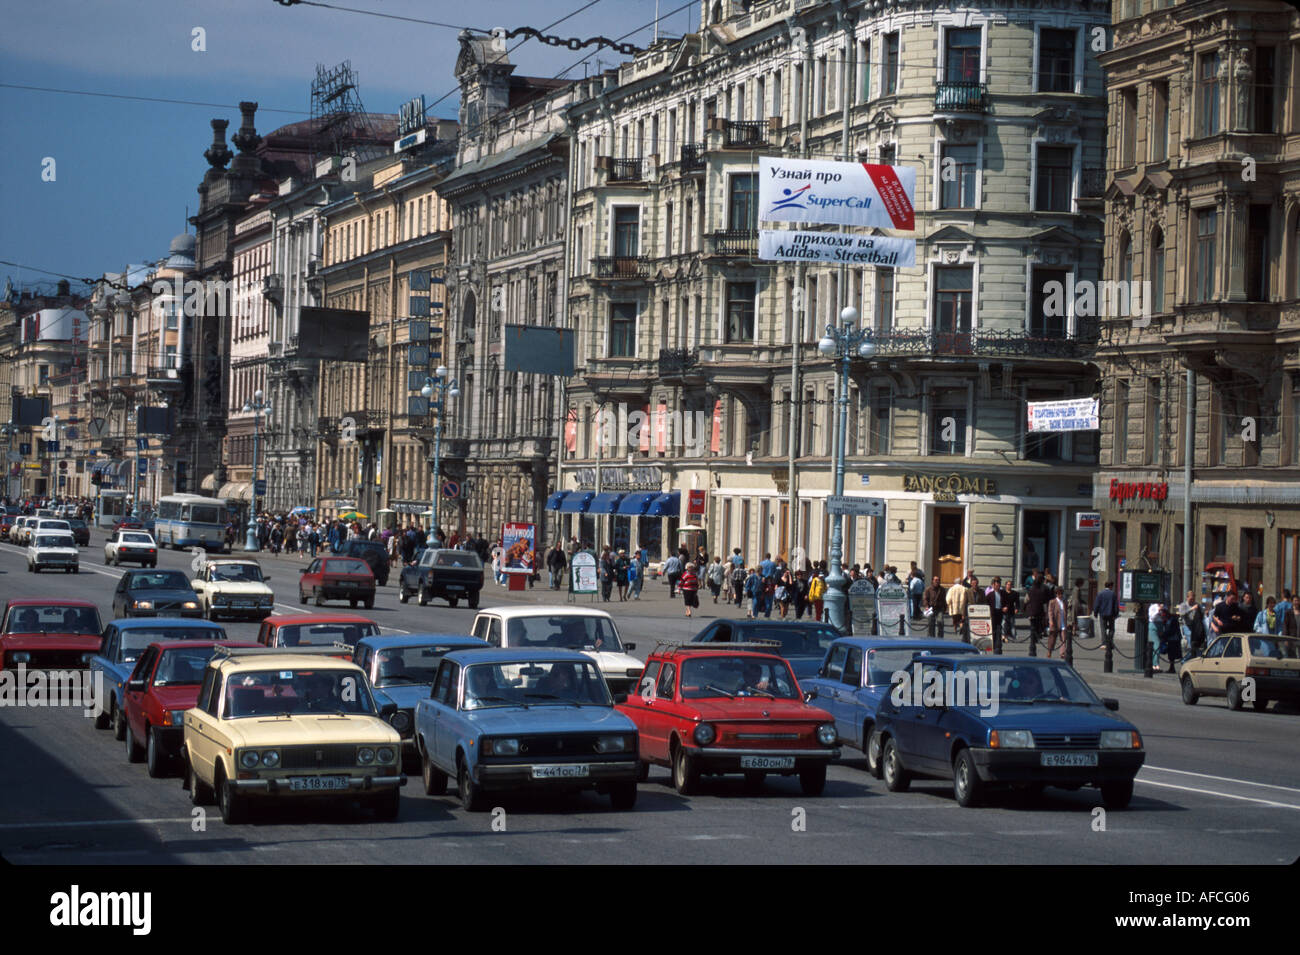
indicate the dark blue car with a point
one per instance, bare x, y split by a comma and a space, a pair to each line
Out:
401, 671
856, 675
1005, 721
804, 643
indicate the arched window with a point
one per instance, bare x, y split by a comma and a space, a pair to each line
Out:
1157, 278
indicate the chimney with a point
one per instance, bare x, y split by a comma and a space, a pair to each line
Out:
246, 140
218, 154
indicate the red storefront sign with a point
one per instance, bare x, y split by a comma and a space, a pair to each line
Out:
695, 503
1147, 490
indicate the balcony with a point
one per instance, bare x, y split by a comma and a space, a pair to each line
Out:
732, 243
623, 170
985, 343
273, 286
744, 134
676, 363
620, 267
962, 97
164, 377
693, 157
1092, 183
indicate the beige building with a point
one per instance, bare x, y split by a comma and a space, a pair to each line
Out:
1000, 111
1203, 205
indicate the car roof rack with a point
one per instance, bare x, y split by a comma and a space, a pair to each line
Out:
668, 649
321, 650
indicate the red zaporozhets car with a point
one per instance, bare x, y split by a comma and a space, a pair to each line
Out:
338, 578
164, 684
49, 634
730, 709
315, 630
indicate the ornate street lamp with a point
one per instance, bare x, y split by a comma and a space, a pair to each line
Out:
439, 385
257, 407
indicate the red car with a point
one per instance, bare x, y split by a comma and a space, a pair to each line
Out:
164, 684
338, 578
49, 634
6, 522
315, 630
127, 524
714, 711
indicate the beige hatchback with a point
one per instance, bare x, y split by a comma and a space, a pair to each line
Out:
1245, 668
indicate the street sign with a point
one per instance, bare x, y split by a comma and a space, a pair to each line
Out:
98, 427
1146, 586
695, 503
142, 466
24, 449
51, 447
418, 331
418, 306
417, 406
855, 506
1087, 521
417, 356
450, 489
980, 621
862, 606
259, 487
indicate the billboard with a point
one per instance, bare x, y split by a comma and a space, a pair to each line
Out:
30, 412
787, 246
1076, 414
542, 351
333, 334
518, 548
836, 193
153, 420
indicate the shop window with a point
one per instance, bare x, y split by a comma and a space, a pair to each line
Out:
1289, 562
1252, 557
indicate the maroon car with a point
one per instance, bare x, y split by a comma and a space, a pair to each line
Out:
338, 578
49, 634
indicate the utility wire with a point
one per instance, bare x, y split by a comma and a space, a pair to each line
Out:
144, 99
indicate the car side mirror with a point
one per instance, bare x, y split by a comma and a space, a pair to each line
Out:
629, 646
1110, 703
266, 578
810, 695
135, 686
620, 698
196, 585
388, 710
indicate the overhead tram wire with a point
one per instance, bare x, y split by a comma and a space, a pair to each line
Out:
145, 99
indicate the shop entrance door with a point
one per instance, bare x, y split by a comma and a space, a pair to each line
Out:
783, 541
949, 544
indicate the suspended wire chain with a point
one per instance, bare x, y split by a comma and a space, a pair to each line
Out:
573, 43
72, 278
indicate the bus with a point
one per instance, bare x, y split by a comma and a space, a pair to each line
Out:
189, 520
110, 507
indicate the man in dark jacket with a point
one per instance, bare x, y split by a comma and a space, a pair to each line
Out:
555, 564
934, 600
1036, 598
1106, 609
1010, 607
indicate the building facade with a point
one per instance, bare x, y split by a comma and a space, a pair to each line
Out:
1203, 206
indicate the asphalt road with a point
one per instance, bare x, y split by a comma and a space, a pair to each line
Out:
1218, 787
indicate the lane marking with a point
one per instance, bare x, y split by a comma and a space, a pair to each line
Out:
89, 823
1223, 779
1214, 792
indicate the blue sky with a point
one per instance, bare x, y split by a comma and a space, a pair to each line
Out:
126, 170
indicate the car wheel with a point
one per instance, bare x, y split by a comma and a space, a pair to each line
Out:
200, 792
209, 613
423, 597
119, 723
102, 719
452, 601
155, 759
302, 597
872, 751
686, 774
966, 783
320, 601
896, 778
473, 601
153, 564
1234, 695
108, 559
76, 569
642, 770
1260, 703
471, 797
234, 807
1190, 696
435, 780
1117, 795
352, 604
622, 796
368, 603
402, 595
133, 751
812, 779
387, 804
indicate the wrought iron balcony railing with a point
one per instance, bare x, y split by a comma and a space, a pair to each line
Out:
625, 170
1092, 183
961, 97
675, 362
693, 156
1002, 343
620, 267
743, 134
734, 242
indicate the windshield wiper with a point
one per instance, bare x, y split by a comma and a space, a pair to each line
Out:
399, 678
1048, 699
718, 689
499, 699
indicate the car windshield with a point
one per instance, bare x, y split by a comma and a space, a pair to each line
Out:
345, 567
1276, 648
1020, 682
134, 641
570, 632
54, 619
885, 663
182, 667
457, 558
709, 677
159, 580
136, 539
250, 573
324, 634
54, 526
306, 690
402, 666
54, 540
547, 682
795, 641
77, 525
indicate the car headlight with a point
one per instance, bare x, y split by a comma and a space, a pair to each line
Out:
826, 734
271, 758
386, 754
218, 598
365, 756
400, 721
190, 605
1011, 739
634, 673
611, 744
143, 605
249, 758
175, 717
705, 734
504, 747
1120, 739
266, 601
21, 657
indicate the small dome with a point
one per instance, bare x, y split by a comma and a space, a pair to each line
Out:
180, 254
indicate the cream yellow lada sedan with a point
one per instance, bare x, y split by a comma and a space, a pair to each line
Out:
274, 724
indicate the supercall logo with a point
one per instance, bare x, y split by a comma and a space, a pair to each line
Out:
76, 908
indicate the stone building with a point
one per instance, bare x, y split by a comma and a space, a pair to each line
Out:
1000, 109
1203, 207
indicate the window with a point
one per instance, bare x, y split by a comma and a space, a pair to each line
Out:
627, 220
1265, 80
1047, 294
1257, 259
864, 70
1120, 450
878, 433
1128, 108
1207, 95
957, 189
622, 330
886, 279
1155, 435
1206, 227
1149, 543
953, 299
740, 312
743, 207
889, 72
1158, 271
1159, 122
1055, 171
948, 421
888, 154
1216, 543
1295, 423
1044, 446
962, 55
1056, 61
668, 229
820, 81
1252, 557
1290, 559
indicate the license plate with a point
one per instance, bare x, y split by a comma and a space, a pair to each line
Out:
767, 762
317, 783
455, 586
1069, 759
561, 772
1290, 673
347, 583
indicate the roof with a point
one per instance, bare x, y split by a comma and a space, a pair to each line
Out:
280, 619
231, 560
495, 655
902, 643
153, 623
545, 610
49, 602
262, 660
716, 649
495, 161
193, 644
782, 624
388, 642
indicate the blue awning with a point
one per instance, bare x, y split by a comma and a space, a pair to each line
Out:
553, 502
635, 504
605, 503
576, 503
666, 505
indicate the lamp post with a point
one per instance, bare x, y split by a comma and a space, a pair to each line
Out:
9, 430
257, 407
842, 344
439, 385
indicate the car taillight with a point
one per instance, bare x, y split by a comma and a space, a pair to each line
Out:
1256, 671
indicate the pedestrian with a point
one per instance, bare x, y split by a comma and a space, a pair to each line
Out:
754, 591
621, 564
1106, 608
715, 575
957, 600
783, 595
1266, 621
1169, 636
606, 573
1076, 606
635, 575
915, 590
799, 593
737, 583
690, 585
817, 594
672, 569
555, 564
736, 559
1036, 600
1286, 615
1191, 617
1056, 621
932, 606
1228, 616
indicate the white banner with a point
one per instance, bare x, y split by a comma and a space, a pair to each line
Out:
1076, 414
836, 193
782, 246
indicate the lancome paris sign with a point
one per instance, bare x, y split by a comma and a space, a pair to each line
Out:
946, 487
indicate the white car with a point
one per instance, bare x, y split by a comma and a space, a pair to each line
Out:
50, 525
138, 547
234, 587
53, 550
18, 533
576, 628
